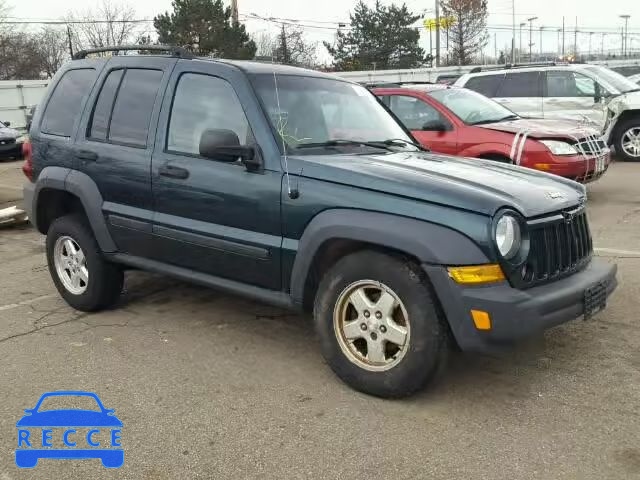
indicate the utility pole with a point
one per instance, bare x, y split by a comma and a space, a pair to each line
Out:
602, 46
69, 39
589, 54
558, 44
541, 29
622, 40
234, 10
625, 35
520, 49
563, 37
530, 20
513, 36
575, 42
437, 33
495, 46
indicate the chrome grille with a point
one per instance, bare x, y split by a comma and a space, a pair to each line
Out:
558, 246
592, 145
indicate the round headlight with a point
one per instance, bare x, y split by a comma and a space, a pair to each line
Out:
508, 238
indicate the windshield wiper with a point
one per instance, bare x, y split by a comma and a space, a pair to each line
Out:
395, 141
496, 120
340, 142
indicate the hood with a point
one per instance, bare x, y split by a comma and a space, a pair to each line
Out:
6, 133
69, 418
625, 101
544, 128
480, 186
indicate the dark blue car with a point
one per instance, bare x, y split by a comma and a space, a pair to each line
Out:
28, 451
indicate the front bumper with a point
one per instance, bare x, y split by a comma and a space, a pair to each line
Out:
10, 150
579, 168
514, 313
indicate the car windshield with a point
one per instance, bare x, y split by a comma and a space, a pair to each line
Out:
471, 107
614, 79
310, 113
64, 402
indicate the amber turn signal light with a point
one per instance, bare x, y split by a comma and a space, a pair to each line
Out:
477, 274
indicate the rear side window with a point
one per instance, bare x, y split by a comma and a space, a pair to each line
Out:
65, 104
524, 84
487, 85
102, 112
132, 109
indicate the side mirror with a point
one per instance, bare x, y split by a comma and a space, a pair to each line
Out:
597, 98
224, 145
435, 126
29, 410
7, 124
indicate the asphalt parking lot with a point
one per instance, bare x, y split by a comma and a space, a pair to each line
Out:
213, 386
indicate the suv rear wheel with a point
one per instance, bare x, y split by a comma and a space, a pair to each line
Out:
627, 142
85, 280
378, 324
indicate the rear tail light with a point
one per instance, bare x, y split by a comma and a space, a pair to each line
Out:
27, 166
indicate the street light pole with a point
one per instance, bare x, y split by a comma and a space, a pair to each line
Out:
625, 44
589, 54
513, 37
530, 20
541, 29
437, 33
558, 45
520, 49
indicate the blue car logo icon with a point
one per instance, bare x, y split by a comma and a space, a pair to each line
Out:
103, 429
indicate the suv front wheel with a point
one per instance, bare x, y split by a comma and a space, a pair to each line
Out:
627, 142
378, 324
85, 280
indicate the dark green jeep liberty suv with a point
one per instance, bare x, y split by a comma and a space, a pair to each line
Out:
300, 189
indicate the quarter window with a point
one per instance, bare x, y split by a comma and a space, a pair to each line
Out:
202, 102
66, 102
102, 111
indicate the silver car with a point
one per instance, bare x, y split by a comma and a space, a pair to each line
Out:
586, 93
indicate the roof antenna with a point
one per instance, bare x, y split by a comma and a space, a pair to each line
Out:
293, 193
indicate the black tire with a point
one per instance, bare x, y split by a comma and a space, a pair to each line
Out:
105, 279
428, 344
621, 129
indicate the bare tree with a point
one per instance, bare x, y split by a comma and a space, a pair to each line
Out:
266, 45
53, 49
116, 25
292, 48
468, 32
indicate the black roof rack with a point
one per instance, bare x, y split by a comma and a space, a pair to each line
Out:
171, 50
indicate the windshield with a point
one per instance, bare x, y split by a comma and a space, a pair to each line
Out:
309, 110
471, 107
614, 79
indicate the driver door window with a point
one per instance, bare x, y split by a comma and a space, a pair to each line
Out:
572, 95
413, 112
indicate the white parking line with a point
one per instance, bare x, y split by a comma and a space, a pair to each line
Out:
614, 251
10, 306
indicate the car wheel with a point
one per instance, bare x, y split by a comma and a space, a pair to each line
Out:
379, 326
83, 277
627, 141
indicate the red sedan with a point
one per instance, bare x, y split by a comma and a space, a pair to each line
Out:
461, 122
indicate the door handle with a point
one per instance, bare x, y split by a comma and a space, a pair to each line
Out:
173, 172
87, 155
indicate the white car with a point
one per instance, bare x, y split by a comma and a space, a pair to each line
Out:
585, 93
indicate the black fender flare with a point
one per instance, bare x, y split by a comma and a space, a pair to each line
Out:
86, 190
430, 243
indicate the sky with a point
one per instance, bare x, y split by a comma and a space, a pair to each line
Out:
591, 17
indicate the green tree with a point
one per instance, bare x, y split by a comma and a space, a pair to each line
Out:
206, 28
380, 37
